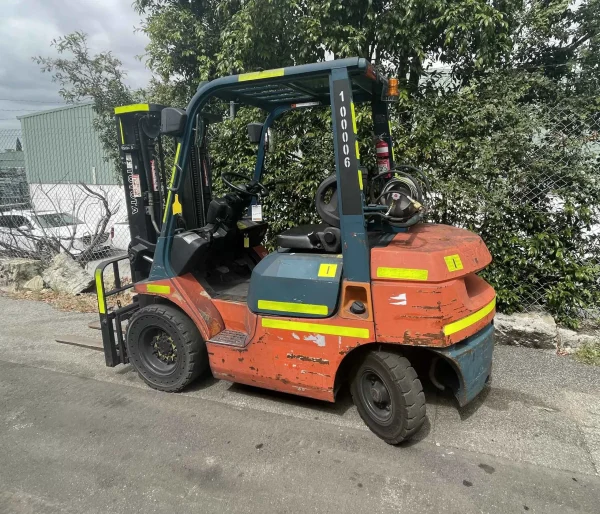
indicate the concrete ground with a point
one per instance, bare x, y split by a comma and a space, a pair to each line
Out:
78, 437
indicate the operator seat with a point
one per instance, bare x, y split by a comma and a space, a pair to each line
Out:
321, 237
324, 237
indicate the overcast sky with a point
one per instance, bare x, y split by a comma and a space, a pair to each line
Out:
28, 26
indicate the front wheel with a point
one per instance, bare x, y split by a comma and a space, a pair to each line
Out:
389, 396
165, 347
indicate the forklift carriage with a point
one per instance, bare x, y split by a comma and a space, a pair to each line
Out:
373, 298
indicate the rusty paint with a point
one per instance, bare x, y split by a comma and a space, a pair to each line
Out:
304, 372
309, 359
241, 359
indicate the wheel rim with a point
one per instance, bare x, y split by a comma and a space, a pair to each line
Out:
158, 351
376, 396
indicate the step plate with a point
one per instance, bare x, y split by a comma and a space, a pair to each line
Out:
230, 338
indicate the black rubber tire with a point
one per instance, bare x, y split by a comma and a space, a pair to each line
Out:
192, 358
407, 400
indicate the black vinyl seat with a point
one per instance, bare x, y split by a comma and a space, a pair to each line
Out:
321, 237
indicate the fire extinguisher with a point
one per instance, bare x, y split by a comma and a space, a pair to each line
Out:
383, 156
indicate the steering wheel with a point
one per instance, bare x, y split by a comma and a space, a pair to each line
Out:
254, 188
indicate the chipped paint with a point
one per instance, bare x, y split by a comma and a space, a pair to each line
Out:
295, 336
309, 359
305, 371
319, 339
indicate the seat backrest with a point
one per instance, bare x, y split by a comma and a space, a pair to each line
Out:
321, 237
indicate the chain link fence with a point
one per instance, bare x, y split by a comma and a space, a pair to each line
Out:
58, 194
564, 174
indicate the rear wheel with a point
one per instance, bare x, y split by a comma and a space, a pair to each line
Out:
165, 347
389, 396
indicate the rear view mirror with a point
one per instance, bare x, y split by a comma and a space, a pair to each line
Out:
254, 132
172, 121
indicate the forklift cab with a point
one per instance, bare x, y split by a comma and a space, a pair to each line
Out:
367, 298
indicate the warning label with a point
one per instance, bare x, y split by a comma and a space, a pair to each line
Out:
136, 189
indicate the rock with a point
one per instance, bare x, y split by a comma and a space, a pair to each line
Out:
18, 271
34, 284
66, 276
569, 340
532, 330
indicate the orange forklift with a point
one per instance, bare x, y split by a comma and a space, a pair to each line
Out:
372, 298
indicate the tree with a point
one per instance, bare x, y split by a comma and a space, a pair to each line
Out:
201, 39
99, 77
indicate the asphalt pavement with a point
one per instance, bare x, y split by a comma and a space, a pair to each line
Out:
78, 437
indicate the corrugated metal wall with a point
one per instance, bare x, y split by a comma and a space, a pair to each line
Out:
62, 147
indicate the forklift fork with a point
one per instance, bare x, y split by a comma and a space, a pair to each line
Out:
111, 319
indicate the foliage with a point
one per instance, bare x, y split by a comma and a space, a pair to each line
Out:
521, 175
82, 76
589, 353
201, 39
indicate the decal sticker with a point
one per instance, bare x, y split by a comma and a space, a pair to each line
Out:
136, 188
257, 213
453, 262
327, 270
398, 300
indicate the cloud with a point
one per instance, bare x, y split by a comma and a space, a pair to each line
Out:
28, 26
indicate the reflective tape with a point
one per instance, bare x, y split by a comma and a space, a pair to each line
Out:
173, 172
257, 75
100, 292
403, 273
158, 288
300, 308
316, 328
132, 108
461, 324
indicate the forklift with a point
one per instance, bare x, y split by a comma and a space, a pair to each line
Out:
374, 298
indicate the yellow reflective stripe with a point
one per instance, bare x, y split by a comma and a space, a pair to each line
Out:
360, 183
158, 288
390, 132
132, 108
403, 273
353, 117
461, 324
100, 292
315, 328
301, 308
173, 172
122, 134
357, 150
327, 270
256, 75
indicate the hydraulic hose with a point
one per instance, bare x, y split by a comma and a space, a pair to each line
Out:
149, 178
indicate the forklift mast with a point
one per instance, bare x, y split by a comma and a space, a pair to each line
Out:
144, 178
138, 128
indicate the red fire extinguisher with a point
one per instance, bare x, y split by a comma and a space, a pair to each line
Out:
383, 156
